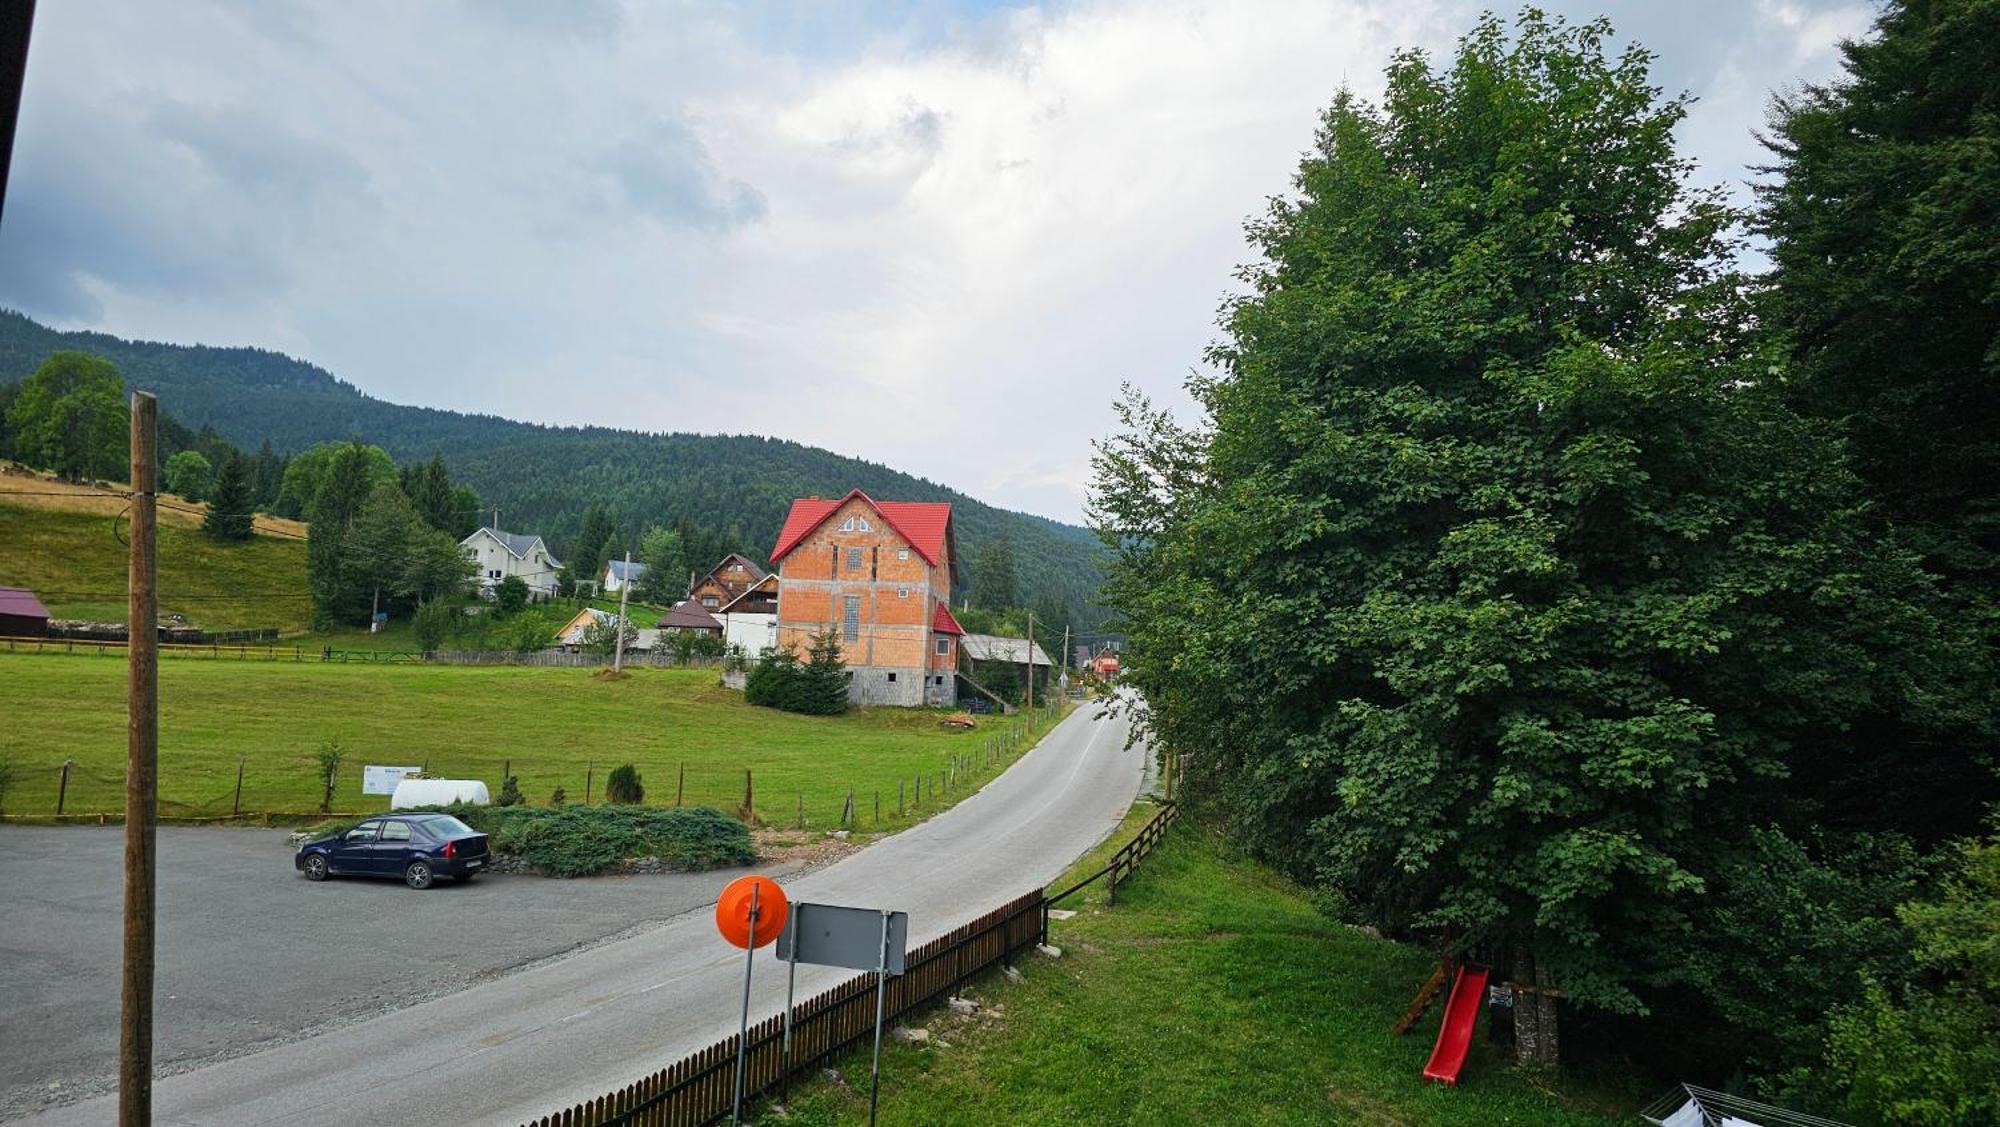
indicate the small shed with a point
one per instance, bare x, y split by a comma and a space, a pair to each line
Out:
22, 615
689, 618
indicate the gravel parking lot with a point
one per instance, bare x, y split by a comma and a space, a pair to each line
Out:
251, 954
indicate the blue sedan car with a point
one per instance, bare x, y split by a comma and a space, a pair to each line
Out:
419, 848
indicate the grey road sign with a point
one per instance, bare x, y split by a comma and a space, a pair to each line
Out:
833, 936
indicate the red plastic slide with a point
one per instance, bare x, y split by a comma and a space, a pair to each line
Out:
1461, 1013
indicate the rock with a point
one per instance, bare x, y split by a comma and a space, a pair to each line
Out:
918, 1036
840, 834
1013, 974
1061, 913
1048, 950
965, 1007
1368, 930
834, 1077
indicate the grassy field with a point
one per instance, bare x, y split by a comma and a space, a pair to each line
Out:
557, 727
67, 550
1214, 992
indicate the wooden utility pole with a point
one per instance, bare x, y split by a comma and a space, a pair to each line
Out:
1064, 654
142, 756
1031, 662
624, 591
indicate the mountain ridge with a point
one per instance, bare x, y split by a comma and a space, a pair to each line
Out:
540, 476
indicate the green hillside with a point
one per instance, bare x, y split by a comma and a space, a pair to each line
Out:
69, 552
541, 478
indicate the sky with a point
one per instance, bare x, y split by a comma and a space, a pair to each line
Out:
933, 235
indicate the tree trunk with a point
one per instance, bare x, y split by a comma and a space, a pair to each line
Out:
1536, 1040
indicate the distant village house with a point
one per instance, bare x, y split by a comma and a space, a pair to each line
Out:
879, 574
617, 573
22, 615
503, 554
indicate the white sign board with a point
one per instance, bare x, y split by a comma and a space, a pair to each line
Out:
383, 780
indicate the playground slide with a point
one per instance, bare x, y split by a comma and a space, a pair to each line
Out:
1461, 1013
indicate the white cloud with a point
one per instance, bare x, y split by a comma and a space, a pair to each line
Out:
939, 244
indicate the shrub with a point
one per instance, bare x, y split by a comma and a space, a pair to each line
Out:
511, 594
433, 623
329, 770
559, 797
623, 787
510, 792
816, 687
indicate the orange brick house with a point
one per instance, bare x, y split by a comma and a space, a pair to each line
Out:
879, 573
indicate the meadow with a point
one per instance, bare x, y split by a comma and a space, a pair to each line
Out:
554, 728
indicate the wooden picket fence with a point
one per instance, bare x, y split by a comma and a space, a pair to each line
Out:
701, 1088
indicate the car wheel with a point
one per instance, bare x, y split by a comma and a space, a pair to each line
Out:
418, 875
316, 867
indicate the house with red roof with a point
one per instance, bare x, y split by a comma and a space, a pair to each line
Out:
879, 574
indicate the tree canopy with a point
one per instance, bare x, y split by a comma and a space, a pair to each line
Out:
70, 417
1503, 591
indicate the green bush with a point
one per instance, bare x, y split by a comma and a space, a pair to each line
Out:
816, 687
511, 594
624, 787
579, 841
510, 792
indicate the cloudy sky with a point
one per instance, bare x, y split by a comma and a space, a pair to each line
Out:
931, 234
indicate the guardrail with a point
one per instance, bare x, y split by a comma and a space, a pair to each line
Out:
700, 1088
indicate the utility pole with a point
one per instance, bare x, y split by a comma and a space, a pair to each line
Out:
1031, 662
496, 518
142, 757
1064, 654
624, 591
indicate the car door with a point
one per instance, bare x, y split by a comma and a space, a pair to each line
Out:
394, 848
354, 852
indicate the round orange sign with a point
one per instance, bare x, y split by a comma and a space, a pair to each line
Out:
732, 911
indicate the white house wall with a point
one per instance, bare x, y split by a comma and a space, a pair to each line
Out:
754, 632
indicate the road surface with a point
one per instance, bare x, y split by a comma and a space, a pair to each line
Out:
251, 956
559, 1033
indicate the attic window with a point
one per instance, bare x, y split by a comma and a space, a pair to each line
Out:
861, 524
902, 553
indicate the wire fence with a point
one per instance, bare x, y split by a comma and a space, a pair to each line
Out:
268, 649
263, 785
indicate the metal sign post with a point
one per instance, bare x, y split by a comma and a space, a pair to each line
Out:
858, 938
747, 902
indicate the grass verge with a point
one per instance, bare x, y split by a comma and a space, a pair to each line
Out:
557, 728
1214, 992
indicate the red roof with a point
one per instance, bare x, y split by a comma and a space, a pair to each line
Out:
944, 623
923, 523
21, 601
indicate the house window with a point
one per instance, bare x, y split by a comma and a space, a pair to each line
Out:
892, 678
854, 559
847, 525
939, 679
710, 601
494, 574
861, 524
944, 647
902, 553
850, 618
902, 592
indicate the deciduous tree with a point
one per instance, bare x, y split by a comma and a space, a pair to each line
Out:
70, 417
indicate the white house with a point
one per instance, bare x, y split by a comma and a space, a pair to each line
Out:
617, 573
501, 554
750, 620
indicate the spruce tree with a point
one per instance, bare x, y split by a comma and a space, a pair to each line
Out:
232, 510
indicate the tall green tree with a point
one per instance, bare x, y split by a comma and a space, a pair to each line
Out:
267, 476
1503, 592
666, 560
593, 543
70, 417
340, 594
307, 473
232, 510
1884, 216
994, 585
189, 474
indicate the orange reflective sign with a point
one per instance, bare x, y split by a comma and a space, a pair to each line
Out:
732, 911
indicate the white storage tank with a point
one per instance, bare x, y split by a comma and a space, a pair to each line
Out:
438, 792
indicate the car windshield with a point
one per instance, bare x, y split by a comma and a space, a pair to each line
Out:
444, 825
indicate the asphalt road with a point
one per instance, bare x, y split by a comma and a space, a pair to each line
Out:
251, 955
573, 1028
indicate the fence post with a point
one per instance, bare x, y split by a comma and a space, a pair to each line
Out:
847, 815
749, 798
236, 807
589, 776
899, 798
878, 807
680, 783
802, 810
62, 789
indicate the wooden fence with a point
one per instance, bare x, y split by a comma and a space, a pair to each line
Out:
701, 1088
251, 651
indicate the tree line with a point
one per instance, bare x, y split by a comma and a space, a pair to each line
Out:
1541, 583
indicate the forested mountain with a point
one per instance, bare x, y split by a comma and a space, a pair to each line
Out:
540, 477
